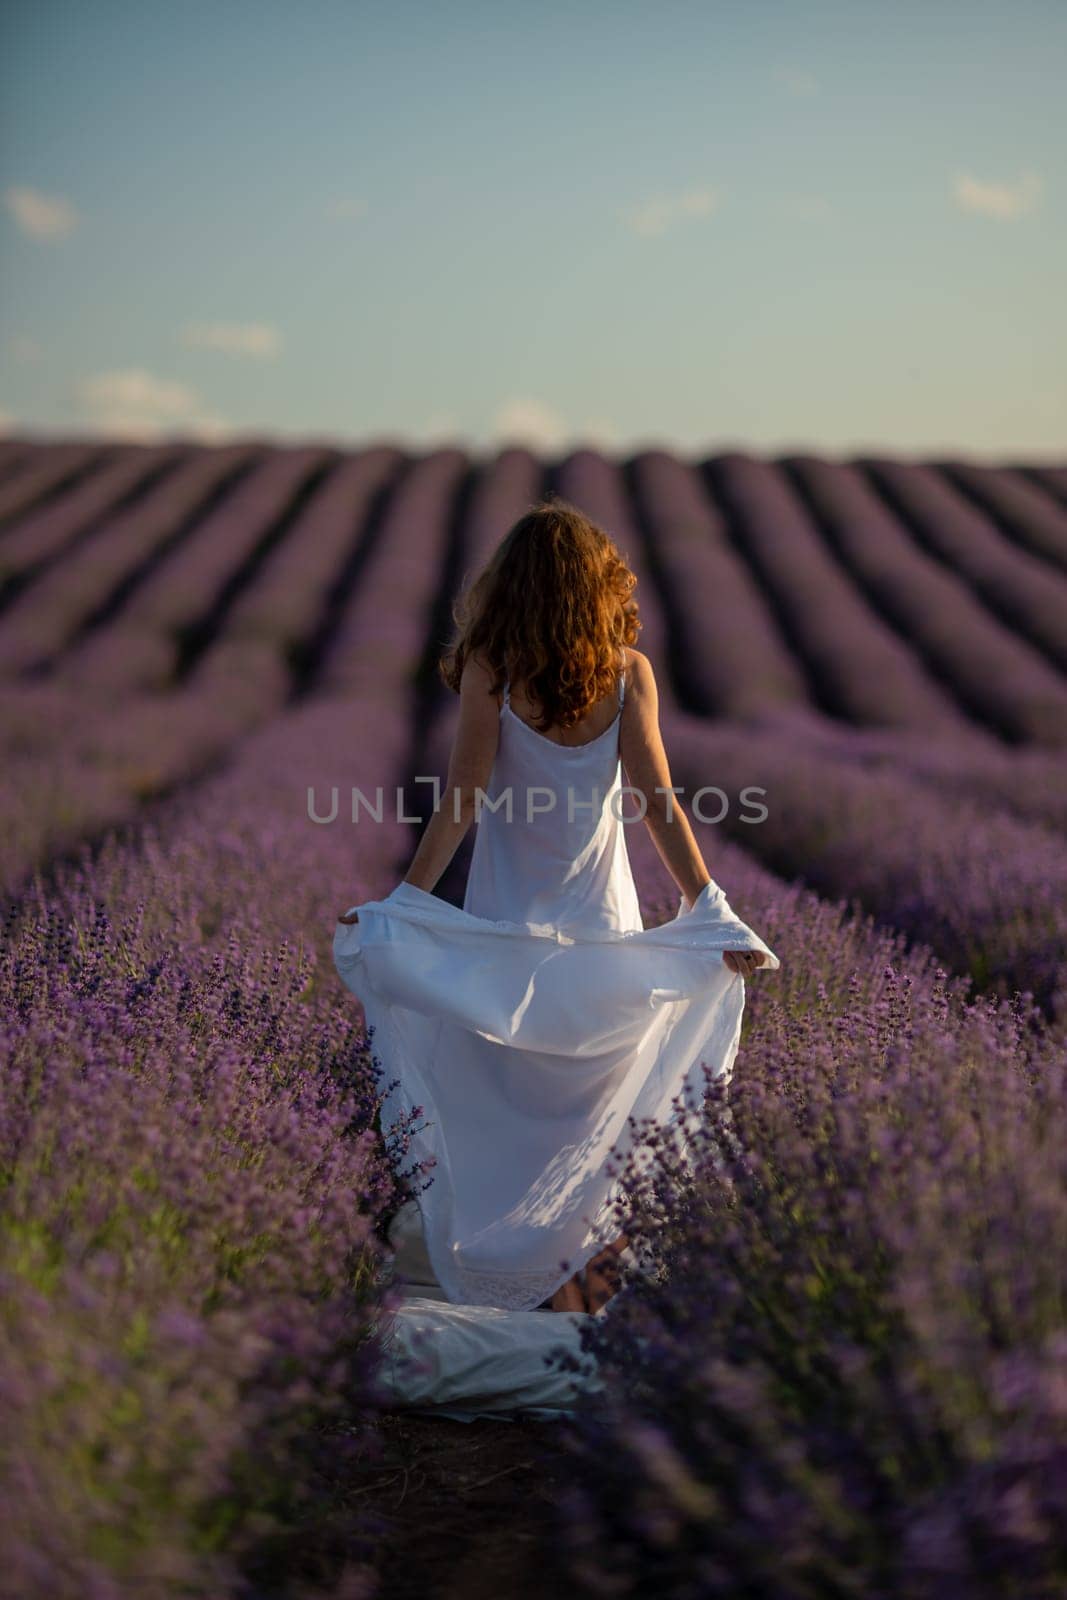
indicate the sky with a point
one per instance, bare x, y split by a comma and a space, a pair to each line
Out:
775, 226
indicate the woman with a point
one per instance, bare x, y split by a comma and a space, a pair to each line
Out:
534, 1022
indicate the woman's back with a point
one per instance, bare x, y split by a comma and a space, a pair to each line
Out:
550, 845
597, 719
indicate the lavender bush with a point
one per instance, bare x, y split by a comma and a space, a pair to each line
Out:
142, 644
61, 522
1034, 520
728, 649
997, 677
1029, 594
72, 768
986, 890
1025, 781
194, 1200
841, 1371
41, 470
85, 588
190, 1277
860, 669
381, 633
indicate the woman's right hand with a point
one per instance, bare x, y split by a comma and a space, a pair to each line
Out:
744, 962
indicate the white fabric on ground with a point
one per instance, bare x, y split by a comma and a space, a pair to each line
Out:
476, 1361
470, 1362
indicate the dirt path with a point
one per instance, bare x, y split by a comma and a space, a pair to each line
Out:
467, 1509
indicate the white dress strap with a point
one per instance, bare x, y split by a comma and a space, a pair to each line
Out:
622, 686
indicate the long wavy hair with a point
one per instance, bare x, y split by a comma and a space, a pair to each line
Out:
552, 609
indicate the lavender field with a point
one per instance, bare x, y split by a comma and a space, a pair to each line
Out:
847, 1375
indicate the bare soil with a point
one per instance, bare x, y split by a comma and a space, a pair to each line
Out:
466, 1509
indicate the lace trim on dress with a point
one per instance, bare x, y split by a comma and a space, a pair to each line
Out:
523, 1291
518, 1289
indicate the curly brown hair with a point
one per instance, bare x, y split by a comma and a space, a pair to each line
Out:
552, 609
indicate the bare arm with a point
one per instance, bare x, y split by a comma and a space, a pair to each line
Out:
470, 767
647, 770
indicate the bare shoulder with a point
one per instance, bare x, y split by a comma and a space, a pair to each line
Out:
640, 678
477, 695
477, 671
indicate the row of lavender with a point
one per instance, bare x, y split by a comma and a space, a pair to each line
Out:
192, 1272
843, 1374
194, 1197
195, 1286
975, 867
225, 576
238, 868
87, 745
966, 853
882, 593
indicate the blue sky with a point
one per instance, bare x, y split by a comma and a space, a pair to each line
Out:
776, 226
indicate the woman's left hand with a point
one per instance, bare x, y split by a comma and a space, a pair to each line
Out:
744, 962
349, 917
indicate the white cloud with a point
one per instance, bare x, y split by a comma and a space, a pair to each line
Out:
1001, 200
600, 432
798, 81
522, 420
42, 216
525, 421
660, 212
130, 403
346, 209
441, 428
235, 338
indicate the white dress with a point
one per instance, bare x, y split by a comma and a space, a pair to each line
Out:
531, 1024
